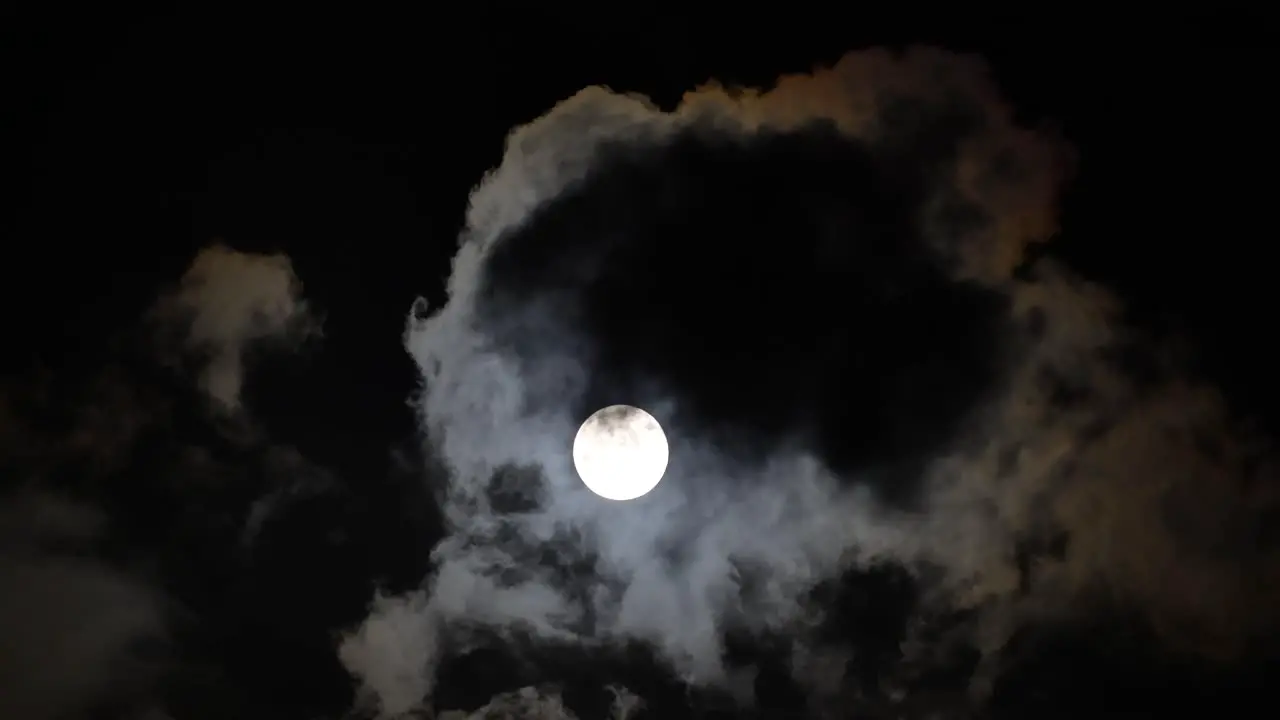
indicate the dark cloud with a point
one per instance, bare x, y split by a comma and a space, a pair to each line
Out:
125, 499
79, 634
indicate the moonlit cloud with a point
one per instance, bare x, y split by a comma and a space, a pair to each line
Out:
1061, 444
85, 632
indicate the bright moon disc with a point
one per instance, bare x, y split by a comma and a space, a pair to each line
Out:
620, 452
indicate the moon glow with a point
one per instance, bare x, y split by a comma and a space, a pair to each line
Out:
620, 452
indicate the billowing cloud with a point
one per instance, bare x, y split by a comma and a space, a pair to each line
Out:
396, 649
225, 302
820, 291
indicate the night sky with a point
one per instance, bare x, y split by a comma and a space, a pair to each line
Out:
165, 553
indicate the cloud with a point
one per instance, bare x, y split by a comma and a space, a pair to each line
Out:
203, 329
225, 303
396, 649
123, 446
525, 702
819, 289
76, 630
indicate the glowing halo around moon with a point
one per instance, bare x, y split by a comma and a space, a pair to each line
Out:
620, 452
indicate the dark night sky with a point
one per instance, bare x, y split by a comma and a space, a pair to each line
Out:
351, 143
146, 137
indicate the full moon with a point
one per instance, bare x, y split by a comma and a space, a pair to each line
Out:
620, 452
